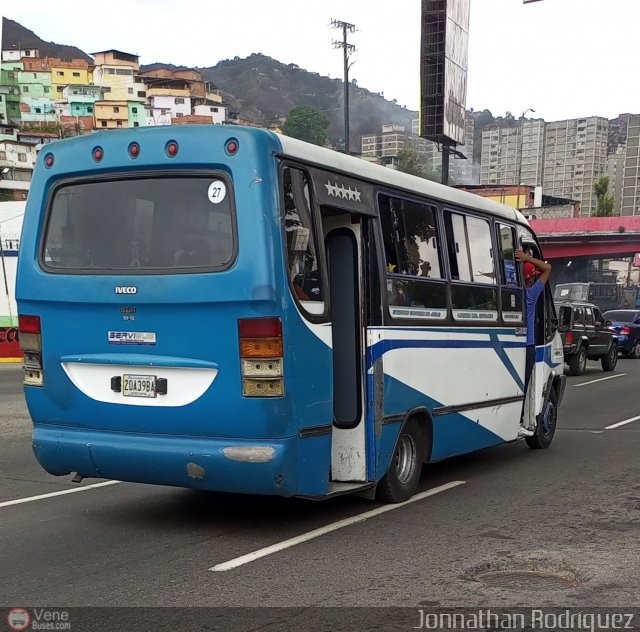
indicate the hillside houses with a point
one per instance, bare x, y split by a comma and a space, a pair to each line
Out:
44, 98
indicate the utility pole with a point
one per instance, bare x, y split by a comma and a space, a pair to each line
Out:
348, 49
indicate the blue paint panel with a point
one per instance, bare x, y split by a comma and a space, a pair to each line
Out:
453, 434
543, 354
382, 347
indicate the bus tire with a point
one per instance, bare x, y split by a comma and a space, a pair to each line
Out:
546, 424
402, 478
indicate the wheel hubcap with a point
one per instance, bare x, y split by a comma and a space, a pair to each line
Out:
405, 458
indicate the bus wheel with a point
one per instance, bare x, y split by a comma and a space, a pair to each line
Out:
402, 478
546, 426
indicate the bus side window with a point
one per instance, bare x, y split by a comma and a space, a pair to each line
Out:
511, 291
302, 254
411, 244
474, 295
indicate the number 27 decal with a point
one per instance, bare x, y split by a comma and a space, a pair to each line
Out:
217, 191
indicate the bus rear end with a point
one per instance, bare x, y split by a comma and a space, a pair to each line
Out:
155, 340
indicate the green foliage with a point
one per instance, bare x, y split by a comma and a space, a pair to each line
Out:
410, 162
604, 206
307, 123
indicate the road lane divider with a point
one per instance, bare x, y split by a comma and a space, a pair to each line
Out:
622, 423
30, 499
602, 379
316, 533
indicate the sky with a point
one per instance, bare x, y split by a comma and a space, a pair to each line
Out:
561, 58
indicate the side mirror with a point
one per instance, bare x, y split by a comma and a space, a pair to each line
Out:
555, 325
607, 323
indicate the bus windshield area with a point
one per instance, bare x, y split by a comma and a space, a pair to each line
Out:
140, 225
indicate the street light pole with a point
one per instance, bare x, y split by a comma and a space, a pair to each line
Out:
520, 153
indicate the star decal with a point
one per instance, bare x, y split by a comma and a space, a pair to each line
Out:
338, 191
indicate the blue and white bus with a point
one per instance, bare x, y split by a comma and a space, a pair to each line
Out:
225, 308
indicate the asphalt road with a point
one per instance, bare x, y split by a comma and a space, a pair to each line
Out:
571, 512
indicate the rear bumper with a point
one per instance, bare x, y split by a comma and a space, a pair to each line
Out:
270, 467
625, 344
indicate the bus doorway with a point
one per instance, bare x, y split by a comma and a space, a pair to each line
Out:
346, 275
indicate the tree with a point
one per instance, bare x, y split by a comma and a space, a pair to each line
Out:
307, 123
410, 162
604, 206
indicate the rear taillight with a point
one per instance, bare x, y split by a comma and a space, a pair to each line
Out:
261, 357
568, 338
31, 345
624, 330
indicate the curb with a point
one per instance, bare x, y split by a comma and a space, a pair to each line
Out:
10, 360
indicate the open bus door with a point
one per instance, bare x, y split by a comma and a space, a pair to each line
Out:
546, 385
345, 262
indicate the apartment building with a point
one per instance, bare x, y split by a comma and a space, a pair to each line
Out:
565, 157
631, 175
512, 152
575, 156
66, 72
123, 94
78, 100
11, 91
36, 103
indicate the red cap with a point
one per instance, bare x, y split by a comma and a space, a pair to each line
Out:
530, 270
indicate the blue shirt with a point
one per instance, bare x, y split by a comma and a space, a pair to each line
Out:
533, 293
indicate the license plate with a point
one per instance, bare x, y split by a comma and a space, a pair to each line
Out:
139, 385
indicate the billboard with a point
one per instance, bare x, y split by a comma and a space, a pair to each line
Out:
443, 70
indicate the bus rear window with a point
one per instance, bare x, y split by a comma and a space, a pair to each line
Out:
141, 226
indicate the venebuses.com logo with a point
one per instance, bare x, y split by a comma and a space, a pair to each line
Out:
18, 619
38, 619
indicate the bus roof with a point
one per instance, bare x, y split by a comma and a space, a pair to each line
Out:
358, 167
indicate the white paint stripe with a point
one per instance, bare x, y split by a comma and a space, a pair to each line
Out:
602, 379
622, 423
275, 548
30, 499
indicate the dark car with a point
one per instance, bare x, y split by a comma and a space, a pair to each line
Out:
586, 336
626, 323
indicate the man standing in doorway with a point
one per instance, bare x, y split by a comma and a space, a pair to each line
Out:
536, 274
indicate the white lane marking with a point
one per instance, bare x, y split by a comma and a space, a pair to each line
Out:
602, 379
30, 499
275, 548
622, 423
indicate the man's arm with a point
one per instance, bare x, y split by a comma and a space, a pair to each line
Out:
542, 266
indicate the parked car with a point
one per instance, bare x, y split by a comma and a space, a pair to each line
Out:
626, 323
586, 336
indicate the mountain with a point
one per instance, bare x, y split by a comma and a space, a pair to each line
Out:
16, 35
264, 90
